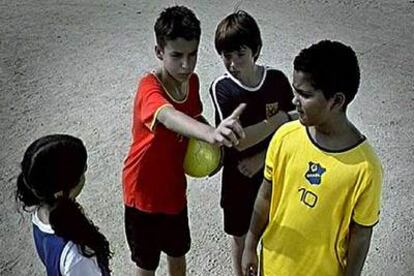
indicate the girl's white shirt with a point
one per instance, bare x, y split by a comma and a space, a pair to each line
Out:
72, 262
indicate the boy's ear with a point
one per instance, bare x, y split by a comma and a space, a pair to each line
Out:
338, 100
158, 52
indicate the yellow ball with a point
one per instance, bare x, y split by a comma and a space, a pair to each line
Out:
201, 158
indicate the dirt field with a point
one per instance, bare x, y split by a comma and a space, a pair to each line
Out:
72, 66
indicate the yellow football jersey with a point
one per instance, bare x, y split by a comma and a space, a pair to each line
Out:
315, 196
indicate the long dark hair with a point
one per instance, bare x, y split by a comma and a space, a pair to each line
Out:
52, 166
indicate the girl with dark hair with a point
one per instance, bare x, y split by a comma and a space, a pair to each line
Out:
52, 176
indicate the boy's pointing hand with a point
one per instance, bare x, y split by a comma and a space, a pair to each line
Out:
229, 132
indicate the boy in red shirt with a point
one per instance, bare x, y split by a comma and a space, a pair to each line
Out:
167, 108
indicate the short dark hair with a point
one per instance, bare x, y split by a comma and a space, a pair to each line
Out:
175, 22
237, 30
333, 67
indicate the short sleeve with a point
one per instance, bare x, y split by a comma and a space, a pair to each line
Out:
73, 263
150, 100
367, 206
223, 103
271, 153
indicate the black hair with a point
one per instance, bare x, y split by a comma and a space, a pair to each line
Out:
237, 30
52, 166
176, 22
332, 66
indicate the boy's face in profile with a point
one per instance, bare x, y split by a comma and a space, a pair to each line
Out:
179, 57
239, 63
312, 106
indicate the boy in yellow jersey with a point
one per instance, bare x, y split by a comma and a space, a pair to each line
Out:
321, 193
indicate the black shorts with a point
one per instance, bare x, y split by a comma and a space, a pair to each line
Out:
238, 195
148, 234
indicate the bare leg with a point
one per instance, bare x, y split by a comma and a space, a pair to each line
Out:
237, 246
176, 266
143, 272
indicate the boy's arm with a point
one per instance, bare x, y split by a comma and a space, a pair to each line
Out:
359, 241
227, 133
251, 165
257, 225
260, 131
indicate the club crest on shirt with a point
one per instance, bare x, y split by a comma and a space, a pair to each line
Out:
314, 173
271, 109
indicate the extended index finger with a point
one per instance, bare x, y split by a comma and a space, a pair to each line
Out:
238, 111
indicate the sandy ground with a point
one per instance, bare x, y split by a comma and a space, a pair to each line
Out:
72, 67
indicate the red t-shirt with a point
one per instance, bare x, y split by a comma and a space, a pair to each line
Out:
153, 175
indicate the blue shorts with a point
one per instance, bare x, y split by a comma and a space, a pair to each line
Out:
150, 234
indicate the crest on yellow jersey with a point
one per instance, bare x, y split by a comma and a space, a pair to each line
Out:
314, 173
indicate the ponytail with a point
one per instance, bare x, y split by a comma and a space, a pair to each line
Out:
69, 222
